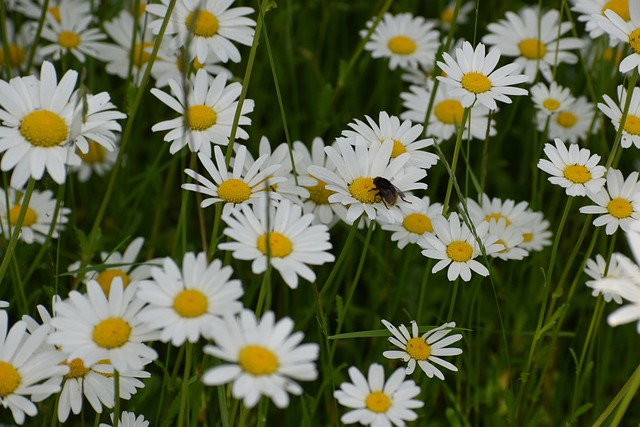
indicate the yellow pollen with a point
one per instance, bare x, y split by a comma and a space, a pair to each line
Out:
402, 45
497, 217
532, 49
378, 402
459, 251
201, 117
76, 369
190, 303
234, 191
620, 208
258, 360
17, 55
418, 349
318, 194
447, 15
566, 119
527, 237
634, 40
363, 190
111, 333
632, 125
621, 7
206, 24
551, 104
577, 174
398, 148
55, 11
476, 82
30, 216
96, 154
279, 244
449, 111
141, 54
417, 223
9, 379
105, 278
68, 39
43, 128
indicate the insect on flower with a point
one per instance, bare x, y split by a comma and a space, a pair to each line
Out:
387, 191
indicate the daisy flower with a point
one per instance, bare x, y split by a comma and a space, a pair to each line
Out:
575, 169
208, 26
356, 168
406, 40
117, 265
183, 303
38, 219
618, 205
596, 270
265, 357
534, 41
128, 419
206, 112
19, 45
33, 8
551, 99
474, 77
37, 121
510, 237
378, 402
96, 160
516, 214
99, 123
404, 136
626, 31
572, 124
613, 110
536, 233
95, 327
423, 350
24, 367
587, 8
416, 221
453, 244
446, 114
70, 33
169, 65
446, 16
282, 236
246, 182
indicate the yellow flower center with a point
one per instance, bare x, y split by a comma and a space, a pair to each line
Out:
476, 82
504, 245
234, 191
527, 237
76, 369
417, 223
279, 244
566, 119
190, 303
205, 25
55, 12
318, 194
43, 128
459, 251
551, 104
30, 216
111, 333
201, 117
140, 10
363, 190
418, 349
96, 154
577, 174
398, 148
9, 379
402, 45
532, 49
105, 278
68, 39
17, 55
632, 125
634, 40
447, 15
141, 54
378, 402
449, 111
258, 360
620, 208
621, 7
497, 217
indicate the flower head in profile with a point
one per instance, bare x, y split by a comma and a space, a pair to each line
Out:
599, 269
536, 232
128, 419
416, 221
574, 169
588, 8
613, 110
265, 357
474, 77
182, 303
626, 31
377, 401
97, 160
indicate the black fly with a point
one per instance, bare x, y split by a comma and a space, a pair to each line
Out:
387, 191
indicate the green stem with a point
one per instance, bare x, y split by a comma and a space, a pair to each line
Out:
454, 162
116, 396
452, 303
624, 396
625, 112
184, 392
423, 290
265, 288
